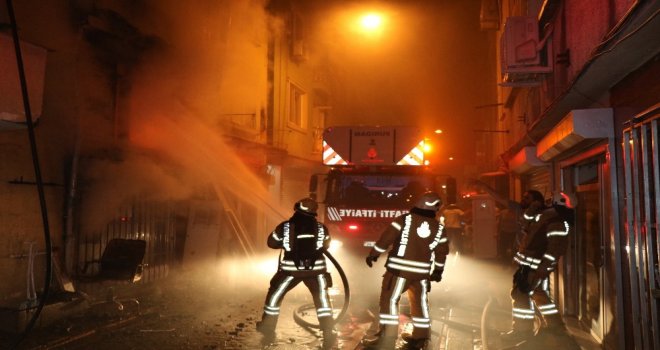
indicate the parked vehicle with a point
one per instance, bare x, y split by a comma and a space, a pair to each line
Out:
374, 174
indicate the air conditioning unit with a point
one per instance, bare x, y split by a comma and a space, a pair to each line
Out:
524, 55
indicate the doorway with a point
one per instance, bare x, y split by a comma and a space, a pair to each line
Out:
586, 179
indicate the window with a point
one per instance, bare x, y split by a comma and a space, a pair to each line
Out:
297, 106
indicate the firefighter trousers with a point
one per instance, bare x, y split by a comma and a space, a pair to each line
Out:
391, 291
283, 282
530, 295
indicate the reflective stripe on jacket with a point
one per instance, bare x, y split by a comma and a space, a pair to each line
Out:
546, 241
418, 246
281, 238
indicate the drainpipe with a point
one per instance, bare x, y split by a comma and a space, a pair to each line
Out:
69, 235
69, 246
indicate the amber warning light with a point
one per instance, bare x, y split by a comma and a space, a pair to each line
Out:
426, 147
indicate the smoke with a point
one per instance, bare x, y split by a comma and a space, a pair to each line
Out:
209, 75
116, 183
427, 66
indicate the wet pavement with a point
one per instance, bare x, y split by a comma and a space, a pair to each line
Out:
207, 310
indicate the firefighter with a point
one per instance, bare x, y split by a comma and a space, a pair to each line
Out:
303, 240
530, 197
453, 216
546, 240
419, 250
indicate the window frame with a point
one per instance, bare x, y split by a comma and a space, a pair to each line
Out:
295, 121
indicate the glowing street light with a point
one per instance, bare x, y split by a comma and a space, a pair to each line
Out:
438, 131
371, 21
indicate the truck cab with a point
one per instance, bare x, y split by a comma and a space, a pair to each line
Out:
374, 175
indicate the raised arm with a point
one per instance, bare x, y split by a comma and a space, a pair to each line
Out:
498, 197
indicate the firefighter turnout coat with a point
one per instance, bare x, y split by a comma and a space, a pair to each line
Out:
302, 240
302, 248
545, 242
418, 248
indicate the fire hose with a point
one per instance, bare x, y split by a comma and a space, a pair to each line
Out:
347, 299
38, 179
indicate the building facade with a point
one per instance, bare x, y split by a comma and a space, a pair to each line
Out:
192, 127
577, 93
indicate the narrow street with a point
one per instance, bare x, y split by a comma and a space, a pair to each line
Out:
217, 308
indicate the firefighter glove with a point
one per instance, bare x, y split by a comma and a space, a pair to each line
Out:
436, 275
544, 269
371, 260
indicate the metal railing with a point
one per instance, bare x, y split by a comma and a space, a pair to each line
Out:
150, 221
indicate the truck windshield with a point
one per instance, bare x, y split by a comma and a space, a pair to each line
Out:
353, 189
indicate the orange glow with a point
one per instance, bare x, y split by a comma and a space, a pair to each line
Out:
371, 21
438, 131
426, 148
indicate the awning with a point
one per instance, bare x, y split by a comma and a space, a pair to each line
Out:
577, 125
525, 160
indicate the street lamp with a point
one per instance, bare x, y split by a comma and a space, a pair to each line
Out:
372, 21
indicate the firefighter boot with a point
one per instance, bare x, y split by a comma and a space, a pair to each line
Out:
411, 343
384, 339
329, 340
515, 337
267, 325
329, 334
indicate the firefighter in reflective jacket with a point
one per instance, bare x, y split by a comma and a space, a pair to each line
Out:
545, 242
303, 240
419, 250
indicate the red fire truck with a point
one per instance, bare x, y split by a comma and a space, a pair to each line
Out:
374, 174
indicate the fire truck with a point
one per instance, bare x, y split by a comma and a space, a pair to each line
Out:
374, 174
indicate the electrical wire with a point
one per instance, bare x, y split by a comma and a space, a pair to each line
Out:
37, 174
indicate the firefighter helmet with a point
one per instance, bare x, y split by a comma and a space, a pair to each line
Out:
429, 201
564, 199
307, 206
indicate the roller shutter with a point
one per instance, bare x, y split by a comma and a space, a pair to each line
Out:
538, 180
